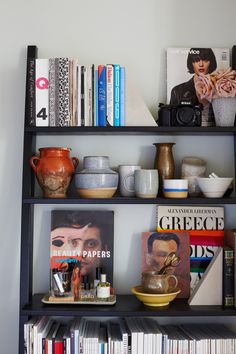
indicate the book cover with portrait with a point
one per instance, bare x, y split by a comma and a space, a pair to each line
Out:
156, 246
183, 66
83, 237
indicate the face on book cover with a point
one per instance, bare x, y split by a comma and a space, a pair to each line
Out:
201, 67
160, 250
85, 241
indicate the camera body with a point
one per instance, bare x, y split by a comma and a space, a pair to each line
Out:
184, 115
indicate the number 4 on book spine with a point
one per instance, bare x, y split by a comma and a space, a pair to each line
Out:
41, 90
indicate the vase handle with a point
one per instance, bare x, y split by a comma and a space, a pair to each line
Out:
32, 162
75, 161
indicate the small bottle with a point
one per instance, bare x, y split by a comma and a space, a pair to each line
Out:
103, 288
86, 293
98, 277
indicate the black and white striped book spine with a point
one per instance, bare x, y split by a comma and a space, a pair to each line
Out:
63, 95
52, 92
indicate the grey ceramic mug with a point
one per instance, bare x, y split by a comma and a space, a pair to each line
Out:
126, 180
146, 183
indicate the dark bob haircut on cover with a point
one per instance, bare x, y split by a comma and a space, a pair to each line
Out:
197, 54
163, 236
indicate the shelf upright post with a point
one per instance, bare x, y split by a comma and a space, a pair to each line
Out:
27, 214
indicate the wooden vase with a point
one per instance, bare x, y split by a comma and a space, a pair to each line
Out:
54, 169
164, 163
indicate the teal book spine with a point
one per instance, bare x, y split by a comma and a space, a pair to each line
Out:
122, 96
116, 95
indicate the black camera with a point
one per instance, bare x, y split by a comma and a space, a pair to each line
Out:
184, 115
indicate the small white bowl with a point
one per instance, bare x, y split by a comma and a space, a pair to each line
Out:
175, 188
214, 187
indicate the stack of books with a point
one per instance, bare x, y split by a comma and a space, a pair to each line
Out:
64, 93
130, 335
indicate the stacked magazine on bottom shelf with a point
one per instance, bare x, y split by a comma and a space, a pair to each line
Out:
124, 336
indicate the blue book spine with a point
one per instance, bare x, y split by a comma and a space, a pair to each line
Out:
102, 95
96, 98
122, 96
116, 95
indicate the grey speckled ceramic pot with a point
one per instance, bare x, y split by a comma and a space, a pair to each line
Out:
96, 180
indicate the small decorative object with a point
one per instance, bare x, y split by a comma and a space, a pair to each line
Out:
172, 260
146, 183
54, 169
214, 187
219, 88
103, 288
175, 188
76, 279
224, 109
156, 283
96, 180
164, 162
191, 168
154, 300
126, 180
60, 283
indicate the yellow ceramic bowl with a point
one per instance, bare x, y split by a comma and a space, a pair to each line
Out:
155, 300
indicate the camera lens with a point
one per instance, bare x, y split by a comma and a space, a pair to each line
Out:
185, 116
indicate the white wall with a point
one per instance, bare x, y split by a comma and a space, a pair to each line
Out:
134, 33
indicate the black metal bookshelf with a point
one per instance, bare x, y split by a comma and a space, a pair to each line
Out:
124, 200
133, 130
127, 305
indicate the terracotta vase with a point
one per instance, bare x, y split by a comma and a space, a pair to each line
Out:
164, 163
54, 169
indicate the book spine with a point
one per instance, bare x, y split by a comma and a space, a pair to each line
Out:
228, 277
89, 96
30, 118
86, 96
63, 93
41, 92
59, 347
96, 99
82, 96
78, 84
116, 95
110, 94
122, 96
102, 95
93, 93
52, 93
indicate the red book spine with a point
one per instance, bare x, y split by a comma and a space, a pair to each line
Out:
59, 347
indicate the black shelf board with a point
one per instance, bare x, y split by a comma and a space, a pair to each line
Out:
124, 200
126, 305
146, 130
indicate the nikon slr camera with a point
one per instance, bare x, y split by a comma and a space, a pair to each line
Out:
185, 115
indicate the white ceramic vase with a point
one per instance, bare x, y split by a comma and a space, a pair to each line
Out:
224, 110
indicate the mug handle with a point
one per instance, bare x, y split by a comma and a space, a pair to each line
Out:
172, 276
125, 184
